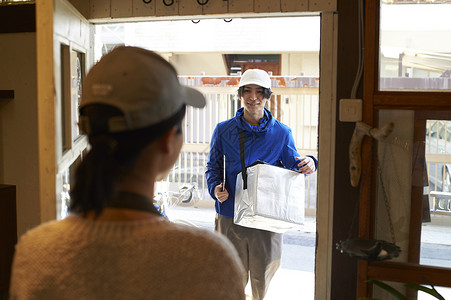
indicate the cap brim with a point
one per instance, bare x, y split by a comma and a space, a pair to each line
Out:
256, 82
194, 97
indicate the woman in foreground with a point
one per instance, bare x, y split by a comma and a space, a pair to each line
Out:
114, 244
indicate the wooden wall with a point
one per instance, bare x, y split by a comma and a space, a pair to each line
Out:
123, 9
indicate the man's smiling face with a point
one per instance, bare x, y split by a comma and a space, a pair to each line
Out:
253, 98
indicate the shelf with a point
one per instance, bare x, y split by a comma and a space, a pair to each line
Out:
6, 94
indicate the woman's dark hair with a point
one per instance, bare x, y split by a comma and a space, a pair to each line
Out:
266, 92
112, 155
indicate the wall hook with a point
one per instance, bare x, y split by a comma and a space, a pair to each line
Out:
147, 1
202, 3
195, 21
168, 4
228, 20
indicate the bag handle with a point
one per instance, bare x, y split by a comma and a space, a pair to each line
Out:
243, 166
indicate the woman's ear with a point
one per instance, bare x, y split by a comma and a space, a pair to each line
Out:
169, 147
169, 140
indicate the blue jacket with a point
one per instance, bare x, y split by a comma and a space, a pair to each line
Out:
270, 141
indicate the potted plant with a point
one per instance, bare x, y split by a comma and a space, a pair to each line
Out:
417, 287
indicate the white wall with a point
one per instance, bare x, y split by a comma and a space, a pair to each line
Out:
197, 48
300, 64
210, 64
18, 125
258, 35
293, 64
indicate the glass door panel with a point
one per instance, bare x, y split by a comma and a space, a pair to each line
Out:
413, 198
414, 45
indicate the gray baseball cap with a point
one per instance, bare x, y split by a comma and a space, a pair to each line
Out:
141, 84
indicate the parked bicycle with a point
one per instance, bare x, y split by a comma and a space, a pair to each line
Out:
186, 194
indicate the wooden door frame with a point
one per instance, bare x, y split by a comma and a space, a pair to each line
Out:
374, 100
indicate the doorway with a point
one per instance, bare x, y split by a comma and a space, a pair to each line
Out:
203, 56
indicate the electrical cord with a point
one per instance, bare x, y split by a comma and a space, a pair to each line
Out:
361, 36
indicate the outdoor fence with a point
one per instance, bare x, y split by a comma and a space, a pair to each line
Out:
438, 163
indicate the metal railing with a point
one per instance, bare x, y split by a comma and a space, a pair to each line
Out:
295, 102
441, 203
438, 163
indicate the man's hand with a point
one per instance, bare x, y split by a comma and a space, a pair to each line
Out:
221, 195
306, 164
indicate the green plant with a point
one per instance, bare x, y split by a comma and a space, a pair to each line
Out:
417, 287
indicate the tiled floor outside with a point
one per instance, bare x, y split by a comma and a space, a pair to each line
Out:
288, 283
298, 282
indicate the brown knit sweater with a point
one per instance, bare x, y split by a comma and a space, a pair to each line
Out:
153, 259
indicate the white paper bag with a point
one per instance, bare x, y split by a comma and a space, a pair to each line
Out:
273, 201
